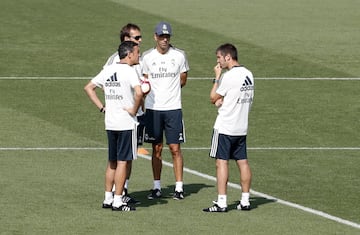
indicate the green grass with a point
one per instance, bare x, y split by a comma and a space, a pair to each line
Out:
285, 39
50, 117
60, 191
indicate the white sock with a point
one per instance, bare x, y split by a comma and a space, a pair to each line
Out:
126, 184
157, 184
179, 186
245, 199
109, 198
222, 201
117, 201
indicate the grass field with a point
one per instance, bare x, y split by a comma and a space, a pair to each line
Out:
304, 133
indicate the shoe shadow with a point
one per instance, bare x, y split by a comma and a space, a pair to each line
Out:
167, 194
255, 202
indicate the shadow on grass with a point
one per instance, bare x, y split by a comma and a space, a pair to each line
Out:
254, 201
167, 194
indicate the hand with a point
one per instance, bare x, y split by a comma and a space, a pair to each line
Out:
219, 102
217, 70
131, 111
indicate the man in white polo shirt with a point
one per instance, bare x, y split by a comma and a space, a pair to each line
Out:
233, 94
166, 69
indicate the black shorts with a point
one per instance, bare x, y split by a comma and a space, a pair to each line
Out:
170, 122
122, 145
228, 147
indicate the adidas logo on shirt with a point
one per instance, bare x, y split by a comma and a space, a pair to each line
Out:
112, 81
247, 85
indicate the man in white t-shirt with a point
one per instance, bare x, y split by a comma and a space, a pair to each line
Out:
166, 69
131, 32
233, 94
123, 96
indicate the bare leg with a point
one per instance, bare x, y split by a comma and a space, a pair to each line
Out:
128, 169
120, 177
245, 175
110, 175
156, 160
222, 174
177, 161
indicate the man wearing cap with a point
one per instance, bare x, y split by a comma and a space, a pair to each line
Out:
166, 69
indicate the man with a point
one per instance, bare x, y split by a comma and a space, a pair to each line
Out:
166, 69
123, 96
131, 32
233, 94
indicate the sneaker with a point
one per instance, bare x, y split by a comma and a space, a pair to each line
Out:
124, 207
155, 193
106, 206
178, 195
215, 208
243, 208
129, 200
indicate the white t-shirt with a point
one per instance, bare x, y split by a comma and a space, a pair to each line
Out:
163, 72
115, 59
118, 81
237, 88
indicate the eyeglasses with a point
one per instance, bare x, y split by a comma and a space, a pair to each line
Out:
137, 38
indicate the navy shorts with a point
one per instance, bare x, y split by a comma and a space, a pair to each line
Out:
122, 145
158, 122
228, 147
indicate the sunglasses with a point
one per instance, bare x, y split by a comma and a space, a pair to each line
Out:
137, 38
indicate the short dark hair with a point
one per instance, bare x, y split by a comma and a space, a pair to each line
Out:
228, 49
125, 48
125, 31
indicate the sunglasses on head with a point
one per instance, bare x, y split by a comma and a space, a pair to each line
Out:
137, 38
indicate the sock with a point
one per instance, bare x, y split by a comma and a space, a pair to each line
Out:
124, 192
222, 201
117, 201
179, 186
109, 198
245, 199
126, 184
157, 184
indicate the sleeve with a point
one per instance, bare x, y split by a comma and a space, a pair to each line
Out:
99, 80
134, 78
144, 67
185, 64
222, 89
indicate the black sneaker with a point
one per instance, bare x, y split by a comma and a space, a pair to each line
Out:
178, 195
106, 206
129, 200
215, 208
124, 208
243, 208
155, 193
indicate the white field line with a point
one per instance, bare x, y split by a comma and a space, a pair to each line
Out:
212, 178
190, 78
184, 148
290, 204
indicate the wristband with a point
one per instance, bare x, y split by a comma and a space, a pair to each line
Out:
102, 110
216, 81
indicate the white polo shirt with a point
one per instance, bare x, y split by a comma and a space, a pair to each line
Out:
163, 72
118, 81
237, 88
